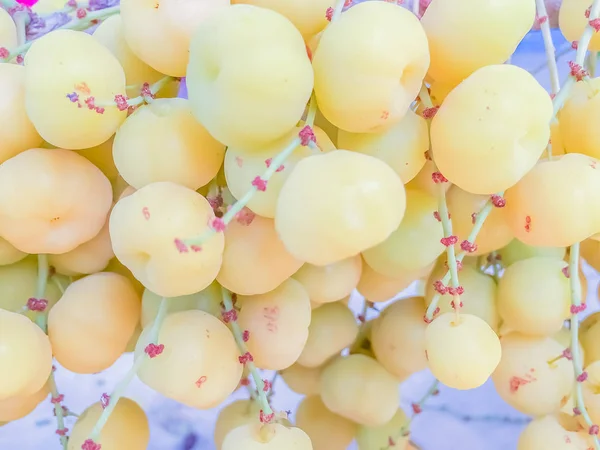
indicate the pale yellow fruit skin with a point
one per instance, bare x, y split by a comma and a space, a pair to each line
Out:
234, 415
327, 430
547, 433
556, 139
25, 349
8, 31
451, 27
273, 436
163, 142
576, 119
101, 157
369, 67
515, 251
402, 146
90, 326
278, 323
51, 201
358, 388
333, 327
321, 122
241, 167
534, 296
255, 260
415, 244
147, 248
572, 181
303, 380
374, 438
241, 62
572, 22
17, 133
461, 355
117, 267
330, 283
15, 408
110, 33
307, 16
160, 36
126, 429
398, 337
591, 392
589, 341
9, 254
208, 300
491, 129
325, 214
495, 232
58, 64
526, 381
196, 345
423, 181
590, 251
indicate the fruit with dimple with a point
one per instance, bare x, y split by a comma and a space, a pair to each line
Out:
512, 114
241, 62
234, 415
51, 201
143, 230
272, 436
369, 67
324, 214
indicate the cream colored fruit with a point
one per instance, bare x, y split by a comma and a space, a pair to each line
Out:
234, 415
415, 244
242, 167
423, 181
461, 353
451, 24
303, 380
463, 208
369, 67
572, 182
255, 260
590, 251
90, 257
550, 433
90, 326
8, 31
163, 141
307, 16
249, 76
208, 300
398, 337
589, 341
375, 438
51, 201
325, 215
581, 110
143, 230
159, 33
26, 350
524, 378
515, 251
18, 283
572, 22
117, 267
111, 34
358, 388
330, 283
9, 254
127, 427
439, 90
199, 365
591, 392
15, 408
479, 297
556, 139
321, 122
17, 133
534, 296
72, 62
512, 113
278, 323
273, 436
333, 327
402, 146
101, 157
326, 430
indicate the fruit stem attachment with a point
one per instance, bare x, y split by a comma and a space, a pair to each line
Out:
542, 18
59, 411
121, 387
239, 339
417, 407
337, 12
41, 318
575, 354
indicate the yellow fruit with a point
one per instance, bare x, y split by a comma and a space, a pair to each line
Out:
15, 408
572, 22
303, 380
273, 436
234, 415
515, 251
375, 438
552, 432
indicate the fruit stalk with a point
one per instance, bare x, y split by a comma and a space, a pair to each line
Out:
59, 411
262, 398
542, 18
580, 374
121, 387
417, 407
41, 318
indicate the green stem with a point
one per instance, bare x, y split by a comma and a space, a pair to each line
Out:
337, 12
58, 410
140, 99
433, 389
41, 318
549, 46
121, 387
